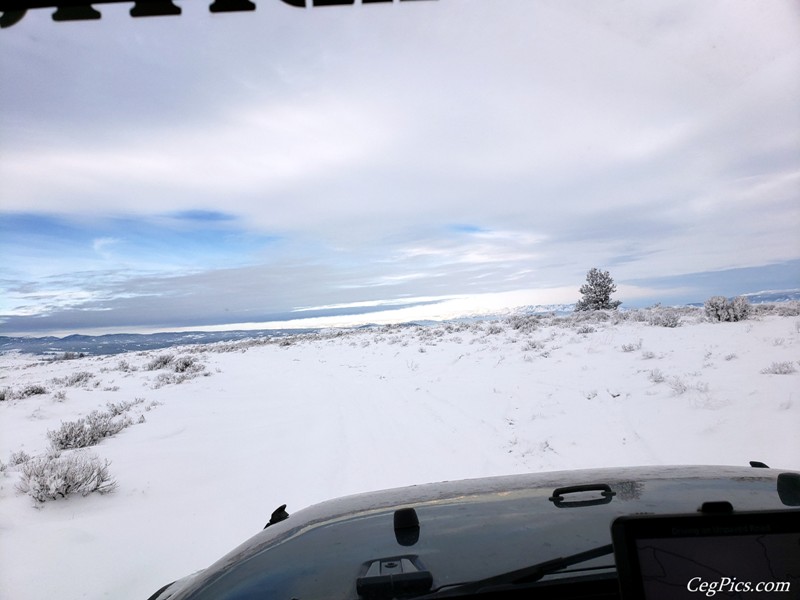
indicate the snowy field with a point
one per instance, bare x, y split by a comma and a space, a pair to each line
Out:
219, 436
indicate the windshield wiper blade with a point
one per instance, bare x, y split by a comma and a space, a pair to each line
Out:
525, 575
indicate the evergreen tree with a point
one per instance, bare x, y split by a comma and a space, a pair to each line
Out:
597, 292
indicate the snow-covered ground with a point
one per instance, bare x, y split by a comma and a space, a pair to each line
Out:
248, 426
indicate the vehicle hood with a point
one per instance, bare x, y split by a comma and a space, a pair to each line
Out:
468, 529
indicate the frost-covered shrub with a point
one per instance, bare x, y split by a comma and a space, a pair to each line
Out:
176, 378
740, 308
17, 458
632, 347
159, 362
789, 308
74, 380
124, 366
114, 409
523, 323
779, 368
183, 368
664, 318
532, 345
678, 385
5, 394
584, 329
66, 356
54, 476
637, 315
86, 431
30, 390
656, 376
187, 364
586, 316
716, 308
719, 308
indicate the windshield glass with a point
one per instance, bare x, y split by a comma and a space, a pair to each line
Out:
278, 256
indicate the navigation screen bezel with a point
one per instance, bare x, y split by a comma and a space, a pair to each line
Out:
722, 532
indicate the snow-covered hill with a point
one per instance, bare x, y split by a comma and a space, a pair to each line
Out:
221, 434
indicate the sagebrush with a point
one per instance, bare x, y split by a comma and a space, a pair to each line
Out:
26, 392
720, 309
88, 430
57, 476
159, 362
780, 368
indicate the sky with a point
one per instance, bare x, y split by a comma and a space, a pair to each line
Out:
393, 160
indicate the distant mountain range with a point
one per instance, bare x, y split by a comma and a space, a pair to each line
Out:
75, 345
129, 342
773, 296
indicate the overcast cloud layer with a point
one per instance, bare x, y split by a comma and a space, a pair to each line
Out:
221, 169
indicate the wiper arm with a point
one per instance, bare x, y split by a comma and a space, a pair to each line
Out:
524, 575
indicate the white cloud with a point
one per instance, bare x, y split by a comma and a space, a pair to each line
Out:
103, 245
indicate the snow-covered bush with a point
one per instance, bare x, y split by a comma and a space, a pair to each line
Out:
664, 318
159, 362
494, 329
790, 308
29, 390
76, 379
66, 356
637, 315
124, 366
716, 308
55, 476
183, 368
17, 458
87, 431
177, 378
779, 368
719, 308
532, 345
678, 385
187, 364
523, 323
740, 308
115, 409
632, 347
